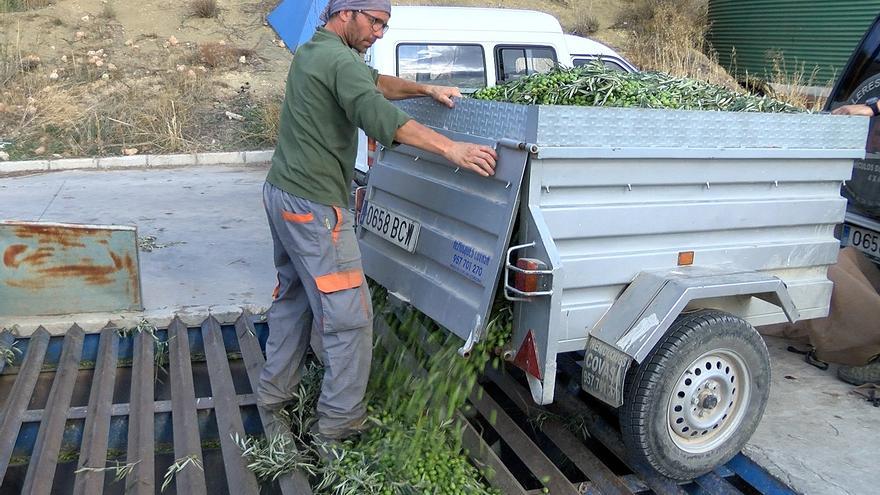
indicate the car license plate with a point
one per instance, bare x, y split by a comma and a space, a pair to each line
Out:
605, 370
391, 226
865, 240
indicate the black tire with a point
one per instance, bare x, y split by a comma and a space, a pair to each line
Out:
683, 437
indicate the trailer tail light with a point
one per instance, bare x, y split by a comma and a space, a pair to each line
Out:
685, 258
526, 278
360, 193
524, 281
371, 151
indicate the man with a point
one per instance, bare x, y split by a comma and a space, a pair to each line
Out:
322, 298
868, 109
859, 374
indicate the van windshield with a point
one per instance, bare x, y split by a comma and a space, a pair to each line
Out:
463, 66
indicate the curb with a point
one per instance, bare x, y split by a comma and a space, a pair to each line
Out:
138, 161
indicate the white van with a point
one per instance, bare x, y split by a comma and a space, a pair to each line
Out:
475, 47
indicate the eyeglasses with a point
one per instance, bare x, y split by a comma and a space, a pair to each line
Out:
378, 25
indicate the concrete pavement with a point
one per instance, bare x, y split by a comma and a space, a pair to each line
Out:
218, 254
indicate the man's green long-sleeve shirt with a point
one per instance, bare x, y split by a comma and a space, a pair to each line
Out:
330, 93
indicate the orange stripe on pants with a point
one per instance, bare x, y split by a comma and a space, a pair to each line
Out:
333, 282
338, 228
277, 287
297, 217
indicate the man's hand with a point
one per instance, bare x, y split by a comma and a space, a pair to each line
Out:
477, 158
474, 157
860, 109
443, 94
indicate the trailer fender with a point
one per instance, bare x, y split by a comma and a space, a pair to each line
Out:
647, 308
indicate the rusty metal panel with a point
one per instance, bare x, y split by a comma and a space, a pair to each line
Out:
54, 268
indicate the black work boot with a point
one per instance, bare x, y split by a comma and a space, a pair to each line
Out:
329, 447
357, 427
277, 420
860, 375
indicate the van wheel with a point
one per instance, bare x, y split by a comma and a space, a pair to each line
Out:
692, 404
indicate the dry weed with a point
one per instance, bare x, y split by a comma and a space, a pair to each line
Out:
261, 123
796, 85
584, 24
102, 117
205, 9
670, 36
165, 124
639, 15
20, 5
221, 55
107, 10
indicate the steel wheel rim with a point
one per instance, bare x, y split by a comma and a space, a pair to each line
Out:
708, 401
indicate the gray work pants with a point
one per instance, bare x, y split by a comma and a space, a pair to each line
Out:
321, 299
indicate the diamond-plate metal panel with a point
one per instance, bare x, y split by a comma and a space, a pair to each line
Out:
647, 128
489, 119
465, 223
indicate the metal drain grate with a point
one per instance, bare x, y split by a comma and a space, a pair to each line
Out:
526, 458
151, 399
96, 400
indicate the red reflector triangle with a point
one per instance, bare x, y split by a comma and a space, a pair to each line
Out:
527, 357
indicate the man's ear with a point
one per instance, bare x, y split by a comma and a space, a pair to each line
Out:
345, 15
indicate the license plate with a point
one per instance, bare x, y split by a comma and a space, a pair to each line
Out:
395, 228
604, 372
865, 240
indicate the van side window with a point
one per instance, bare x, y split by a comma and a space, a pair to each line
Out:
445, 65
518, 61
607, 62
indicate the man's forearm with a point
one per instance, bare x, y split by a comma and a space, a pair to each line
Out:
415, 134
395, 88
475, 157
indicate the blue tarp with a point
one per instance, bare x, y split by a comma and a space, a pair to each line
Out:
296, 20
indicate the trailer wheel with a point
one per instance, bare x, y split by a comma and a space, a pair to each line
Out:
692, 404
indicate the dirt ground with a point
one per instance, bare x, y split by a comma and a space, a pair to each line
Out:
80, 76
146, 36
110, 77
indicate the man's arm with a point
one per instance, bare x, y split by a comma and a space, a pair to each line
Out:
474, 157
858, 109
395, 88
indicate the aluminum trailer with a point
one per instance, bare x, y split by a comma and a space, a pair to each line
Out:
652, 240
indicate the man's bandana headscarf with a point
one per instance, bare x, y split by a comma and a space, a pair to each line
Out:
334, 6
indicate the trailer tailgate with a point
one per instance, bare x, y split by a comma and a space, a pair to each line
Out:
435, 236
